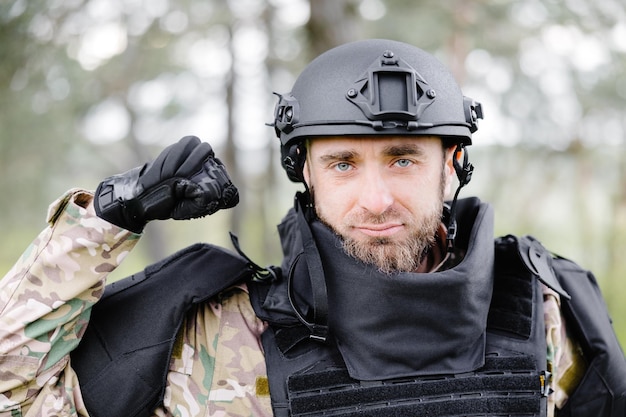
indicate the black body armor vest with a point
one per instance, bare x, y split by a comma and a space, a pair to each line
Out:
123, 359
408, 344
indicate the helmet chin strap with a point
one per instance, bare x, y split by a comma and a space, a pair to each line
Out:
464, 174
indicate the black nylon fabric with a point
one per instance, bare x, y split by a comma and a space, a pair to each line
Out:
445, 395
602, 391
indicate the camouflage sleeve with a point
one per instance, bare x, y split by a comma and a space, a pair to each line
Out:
217, 367
565, 360
45, 302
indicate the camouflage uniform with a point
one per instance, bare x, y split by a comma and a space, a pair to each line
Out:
217, 367
565, 358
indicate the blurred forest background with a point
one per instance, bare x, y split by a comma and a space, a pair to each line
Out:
90, 88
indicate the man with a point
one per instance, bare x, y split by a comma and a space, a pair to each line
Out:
388, 302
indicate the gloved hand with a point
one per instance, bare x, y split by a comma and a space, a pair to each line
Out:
185, 181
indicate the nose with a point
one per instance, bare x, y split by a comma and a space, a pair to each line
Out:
375, 194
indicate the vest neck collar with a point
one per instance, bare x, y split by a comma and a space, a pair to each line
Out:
405, 324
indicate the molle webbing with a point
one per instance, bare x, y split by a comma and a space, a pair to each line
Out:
504, 386
512, 304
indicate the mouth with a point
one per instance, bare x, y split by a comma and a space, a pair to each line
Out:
379, 230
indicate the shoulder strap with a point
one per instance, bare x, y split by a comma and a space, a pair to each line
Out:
538, 260
123, 358
602, 391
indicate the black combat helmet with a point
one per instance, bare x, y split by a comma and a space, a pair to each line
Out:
372, 87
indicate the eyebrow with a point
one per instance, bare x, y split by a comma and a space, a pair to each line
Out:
390, 151
338, 156
403, 149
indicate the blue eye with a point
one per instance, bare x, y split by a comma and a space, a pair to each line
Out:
342, 166
403, 163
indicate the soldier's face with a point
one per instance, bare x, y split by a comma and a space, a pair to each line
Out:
383, 196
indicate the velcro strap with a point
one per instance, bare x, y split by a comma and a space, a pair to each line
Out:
511, 308
491, 391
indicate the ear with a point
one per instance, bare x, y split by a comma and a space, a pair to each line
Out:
449, 171
305, 153
306, 174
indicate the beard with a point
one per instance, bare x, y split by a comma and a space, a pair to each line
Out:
395, 255
392, 255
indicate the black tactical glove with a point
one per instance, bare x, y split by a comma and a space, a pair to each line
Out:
185, 181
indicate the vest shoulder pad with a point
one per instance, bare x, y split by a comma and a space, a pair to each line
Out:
602, 390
